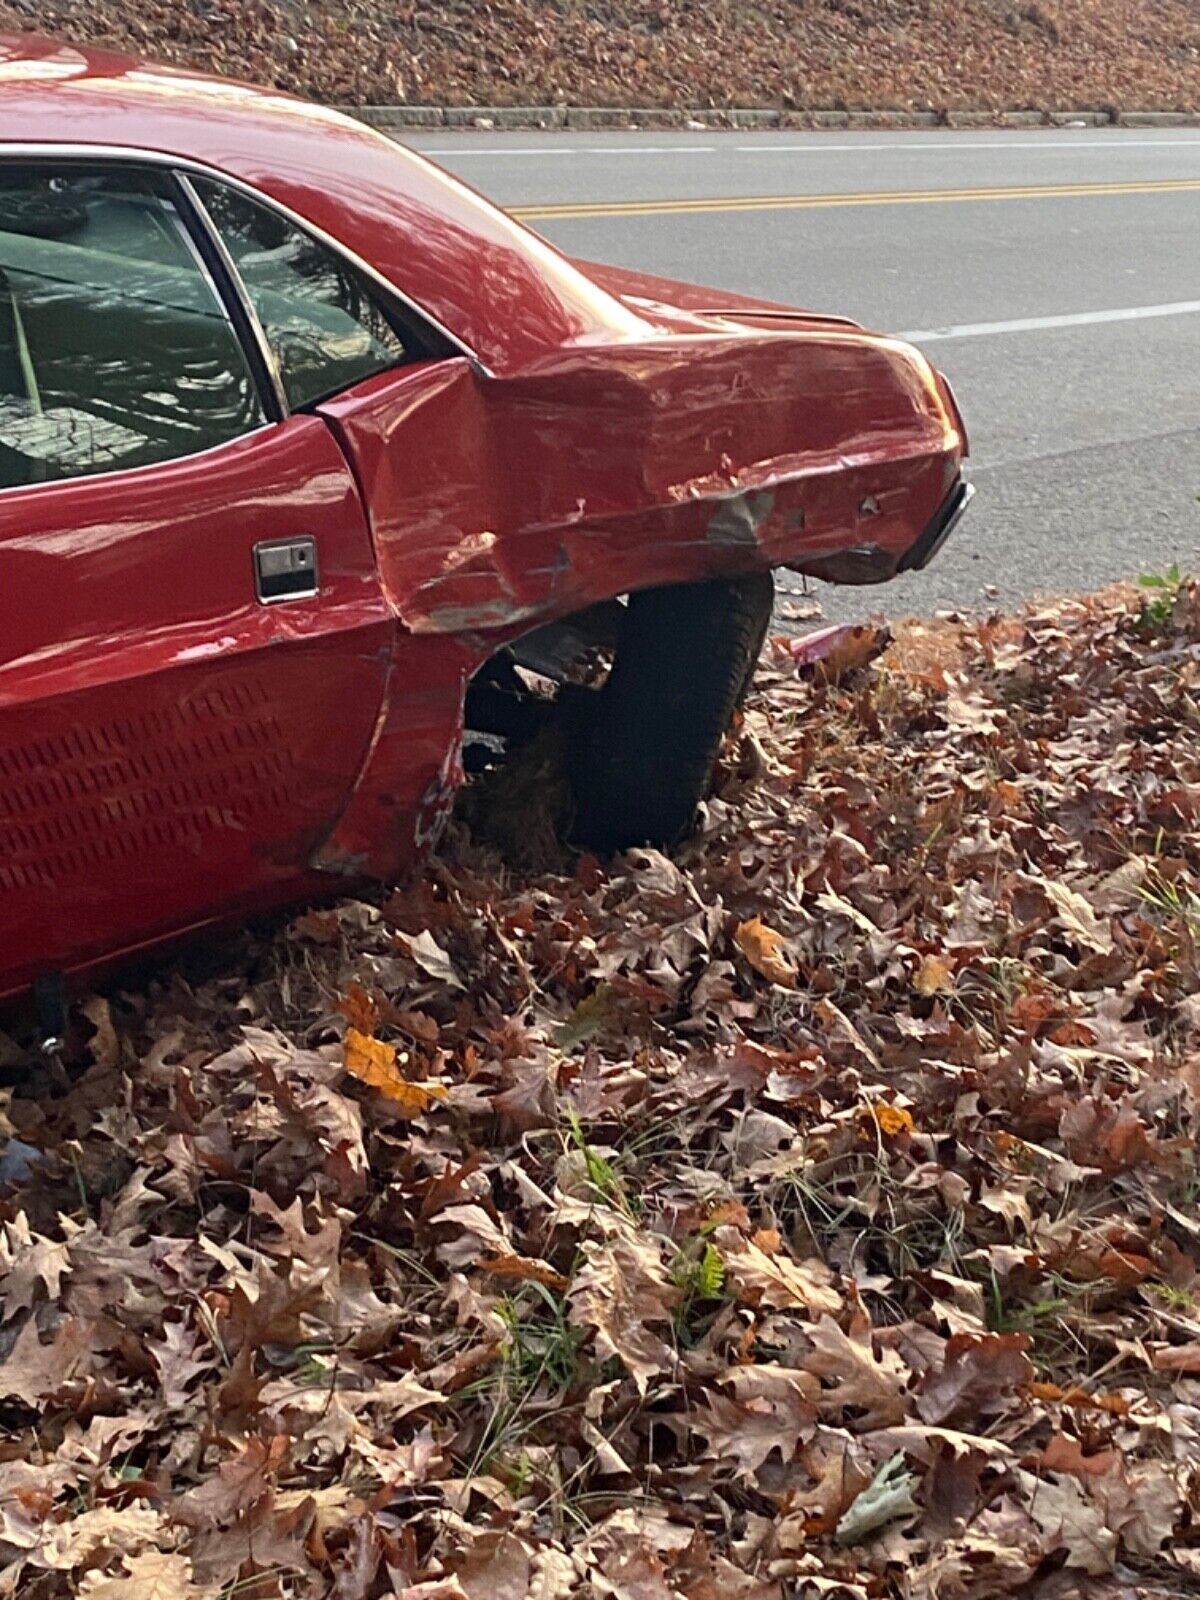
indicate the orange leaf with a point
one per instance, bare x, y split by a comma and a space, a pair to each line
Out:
523, 1267
935, 976
731, 1212
1064, 1454
1124, 1268
373, 1062
1079, 1399
766, 951
745, 1345
359, 1009
891, 1120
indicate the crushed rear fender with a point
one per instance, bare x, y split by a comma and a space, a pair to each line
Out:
499, 504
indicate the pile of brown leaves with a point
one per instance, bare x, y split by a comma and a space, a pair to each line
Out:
810, 1215
893, 54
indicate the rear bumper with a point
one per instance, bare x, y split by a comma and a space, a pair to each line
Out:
950, 513
876, 563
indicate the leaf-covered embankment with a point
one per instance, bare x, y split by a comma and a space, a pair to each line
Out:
794, 54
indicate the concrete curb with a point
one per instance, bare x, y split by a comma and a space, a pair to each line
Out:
749, 118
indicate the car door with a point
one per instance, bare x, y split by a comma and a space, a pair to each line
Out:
194, 643
349, 346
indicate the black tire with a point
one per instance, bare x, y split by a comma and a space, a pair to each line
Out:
684, 661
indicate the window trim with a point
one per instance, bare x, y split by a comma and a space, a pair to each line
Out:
183, 166
397, 318
210, 250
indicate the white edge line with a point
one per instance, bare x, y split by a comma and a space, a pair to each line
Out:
942, 146
1078, 319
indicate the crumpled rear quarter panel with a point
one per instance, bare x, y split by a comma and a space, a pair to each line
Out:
498, 504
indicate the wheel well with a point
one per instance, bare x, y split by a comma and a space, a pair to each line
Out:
609, 722
521, 687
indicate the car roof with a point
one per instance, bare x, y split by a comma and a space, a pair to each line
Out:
500, 289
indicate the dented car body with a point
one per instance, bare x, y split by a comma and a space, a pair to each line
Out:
236, 649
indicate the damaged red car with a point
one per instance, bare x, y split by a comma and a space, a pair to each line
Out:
311, 460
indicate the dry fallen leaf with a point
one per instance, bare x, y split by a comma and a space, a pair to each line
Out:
509, 1266
240, 1484
31, 1267
769, 1278
181, 1356
869, 1387
430, 957
153, 1575
102, 1531
1064, 1454
1115, 1405
105, 1045
934, 976
762, 1420
623, 1294
1078, 919
375, 1062
978, 1370
766, 951
1072, 1522
34, 1371
359, 1008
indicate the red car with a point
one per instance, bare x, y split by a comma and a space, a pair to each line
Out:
305, 447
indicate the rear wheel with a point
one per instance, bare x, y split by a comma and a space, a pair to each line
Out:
684, 661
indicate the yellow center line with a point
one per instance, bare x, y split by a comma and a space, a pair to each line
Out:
814, 202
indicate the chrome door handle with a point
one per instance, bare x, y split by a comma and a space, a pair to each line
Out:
285, 569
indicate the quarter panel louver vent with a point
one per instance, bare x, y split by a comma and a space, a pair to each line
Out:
93, 794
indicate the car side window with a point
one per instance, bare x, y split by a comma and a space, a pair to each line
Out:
115, 350
326, 326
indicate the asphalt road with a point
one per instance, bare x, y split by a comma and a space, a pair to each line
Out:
1085, 426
